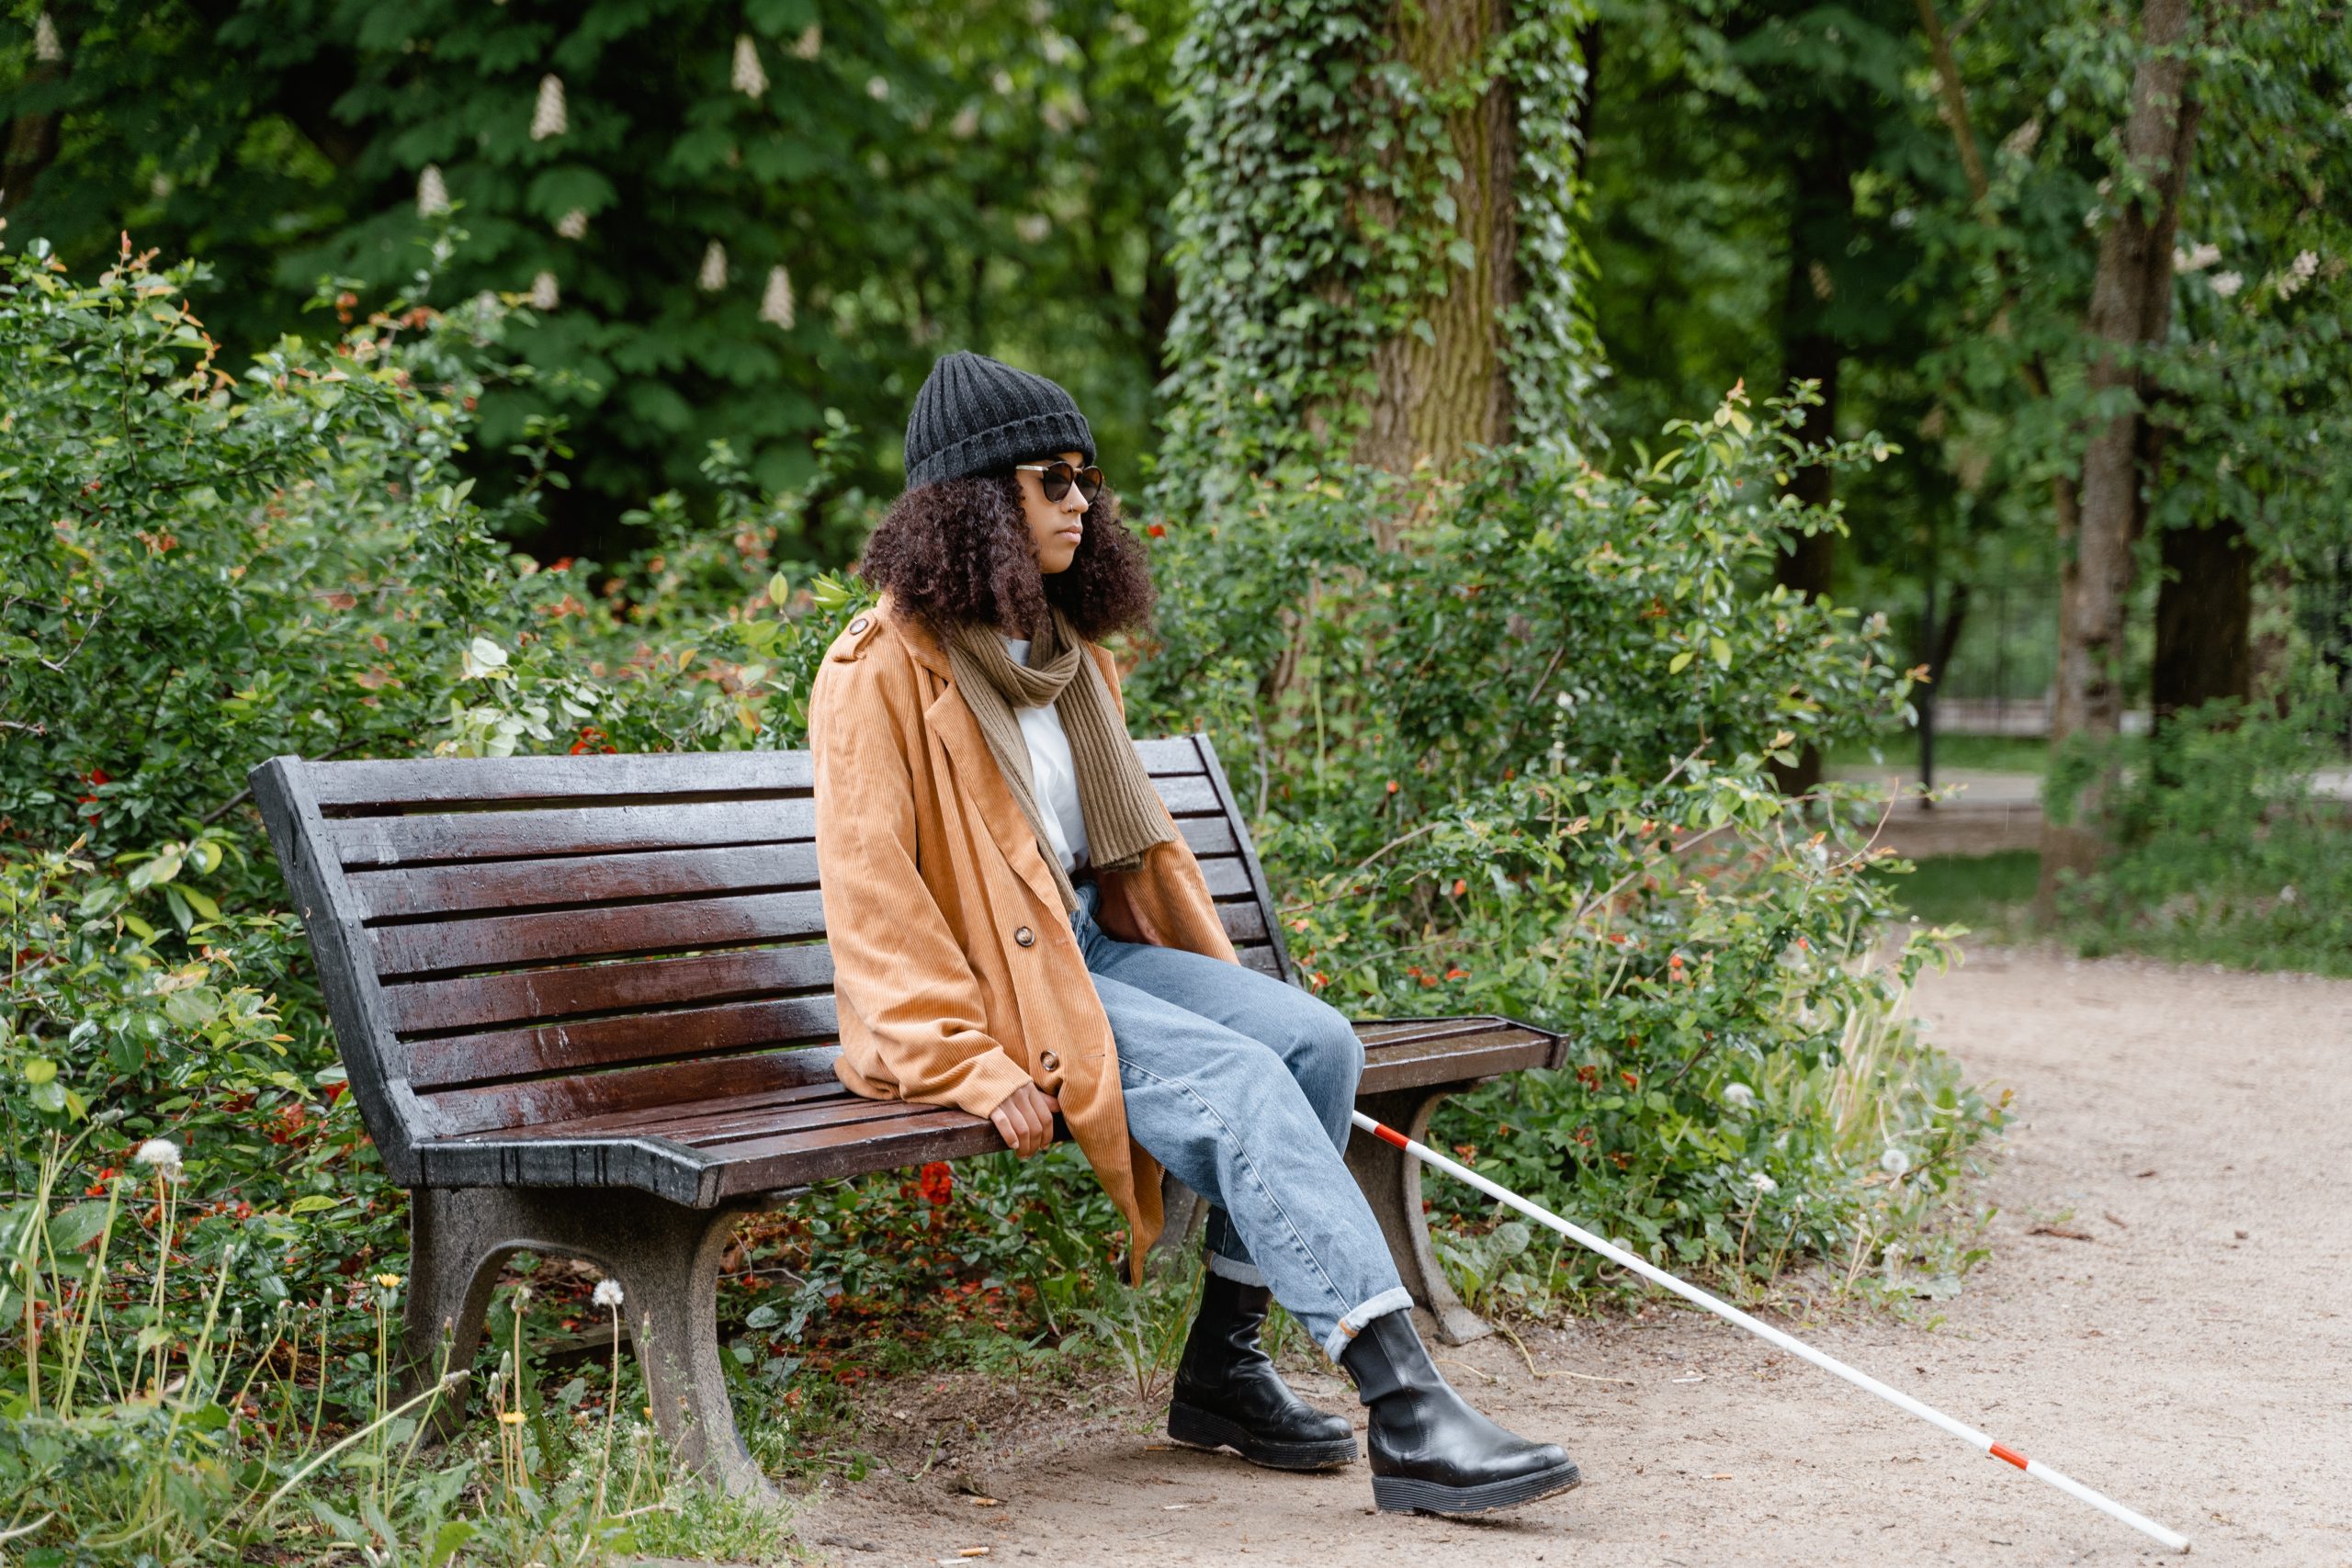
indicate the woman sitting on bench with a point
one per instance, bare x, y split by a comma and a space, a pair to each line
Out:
973, 780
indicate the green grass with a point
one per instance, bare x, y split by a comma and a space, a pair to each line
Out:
1995, 753
1988, 894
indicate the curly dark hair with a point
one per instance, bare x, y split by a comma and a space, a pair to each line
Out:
959, 550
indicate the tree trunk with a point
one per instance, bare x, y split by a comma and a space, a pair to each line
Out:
1434, 397
2204, 619
1820, 217
2130, 312
30, 142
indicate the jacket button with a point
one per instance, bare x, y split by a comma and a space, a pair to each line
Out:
1024, 936
858, 625
1048, 1061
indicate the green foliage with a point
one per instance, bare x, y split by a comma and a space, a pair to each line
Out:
2224, 852
145, 1423
881, 184
1516, 763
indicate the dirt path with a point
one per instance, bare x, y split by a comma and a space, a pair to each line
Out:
2193, 1357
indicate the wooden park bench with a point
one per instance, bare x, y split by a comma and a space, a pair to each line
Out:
586, 1006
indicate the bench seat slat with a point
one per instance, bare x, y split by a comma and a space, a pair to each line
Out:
508, 941
344, 788
525, 995
458, 1059
757, 1135
542, 1102
568, 830
439, 891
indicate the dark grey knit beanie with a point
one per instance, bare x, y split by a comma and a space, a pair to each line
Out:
975, 413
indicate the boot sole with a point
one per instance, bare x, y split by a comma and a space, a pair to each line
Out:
1197, 1428
1402, 1493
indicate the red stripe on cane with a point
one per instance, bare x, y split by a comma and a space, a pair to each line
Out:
1388, 1135
2011, 1455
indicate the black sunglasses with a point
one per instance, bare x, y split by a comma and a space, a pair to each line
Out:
1058, 476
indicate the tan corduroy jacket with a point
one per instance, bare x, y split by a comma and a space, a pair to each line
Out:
955, 968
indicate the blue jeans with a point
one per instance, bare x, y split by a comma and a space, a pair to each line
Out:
1241, 1086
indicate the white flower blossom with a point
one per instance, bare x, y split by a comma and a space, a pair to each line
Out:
545, 296
1738, 1096
1764, 1185
776, 303
47, 48
608, 1294
878, 87
1002, 83
163, 1154
574, 224
2197, 258
548, 116
2298, 273
432, 195
2228, 283
713, 276
811, 39
1895, 1162
1033, 227
746, 77
966, 124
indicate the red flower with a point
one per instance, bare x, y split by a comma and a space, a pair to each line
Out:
1588, 1076
938, 1181
1157, 531
1631, 1081
1457, 973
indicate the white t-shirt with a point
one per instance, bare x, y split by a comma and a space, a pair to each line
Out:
1052, 770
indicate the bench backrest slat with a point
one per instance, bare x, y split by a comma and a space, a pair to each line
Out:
508, 942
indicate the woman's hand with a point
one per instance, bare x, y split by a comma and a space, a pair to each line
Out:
1026, 1119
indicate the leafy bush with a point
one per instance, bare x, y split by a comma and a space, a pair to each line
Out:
2222, 849
1509, 735
1505, 739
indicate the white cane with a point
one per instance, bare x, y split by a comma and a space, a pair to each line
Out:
1762, 1330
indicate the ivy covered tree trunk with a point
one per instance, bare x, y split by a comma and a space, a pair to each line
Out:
1375, 256
1444, 383
2130, 312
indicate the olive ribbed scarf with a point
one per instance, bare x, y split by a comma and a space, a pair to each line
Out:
1123, 812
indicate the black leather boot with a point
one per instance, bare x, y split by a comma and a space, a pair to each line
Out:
1227, 1394
1430, 1449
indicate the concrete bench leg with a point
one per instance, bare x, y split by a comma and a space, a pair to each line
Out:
666, 1258
1391, 1180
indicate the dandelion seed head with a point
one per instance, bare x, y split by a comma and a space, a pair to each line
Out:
1763, 1183
160, 1152
608, 1294
1895, 1162
1739, 1096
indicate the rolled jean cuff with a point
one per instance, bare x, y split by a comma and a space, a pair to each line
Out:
1389, 1301
1225, 1268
